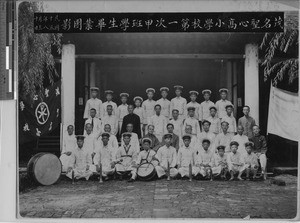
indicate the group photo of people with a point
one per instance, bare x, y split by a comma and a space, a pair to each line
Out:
174, 139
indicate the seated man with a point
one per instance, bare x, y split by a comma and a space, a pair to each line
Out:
235, 162
220, 166
260, 149
147, 155
194, 140
186, 159
105, 156
81, 161
167, 157
250, 160
155, 142
126, 157
134, 141
112, 141
69, 144
205, 159
175, 138
94, 121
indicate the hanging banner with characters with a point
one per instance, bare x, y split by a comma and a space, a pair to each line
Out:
43, 116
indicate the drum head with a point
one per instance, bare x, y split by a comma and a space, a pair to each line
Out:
145, 169
47, 169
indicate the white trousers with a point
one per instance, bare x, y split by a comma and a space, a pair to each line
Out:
263, 160
65, 162
185, 171
161, 172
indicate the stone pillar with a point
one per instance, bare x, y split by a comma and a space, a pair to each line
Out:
68, 85
252, 80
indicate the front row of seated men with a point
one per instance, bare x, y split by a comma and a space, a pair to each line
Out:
201, 162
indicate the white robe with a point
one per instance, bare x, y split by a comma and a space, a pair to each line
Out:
148, 107
166, 155
160, 125
198, 109
112, 120
241, 139
232, 129
194, 123
232, 159
105, 155
89, 143
178, 124
221, 107
126, 159
69, 144
185, 157
179, 103
205, 158
207, 135
122, 110
165, 107
205, 105
215, 125
81, 159
93, 103
134, 142
104, 108
97, 128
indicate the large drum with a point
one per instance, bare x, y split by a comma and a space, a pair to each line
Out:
44, 168
146, 171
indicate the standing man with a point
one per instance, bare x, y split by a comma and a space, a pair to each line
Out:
230, 119
109, 97
93, 102
111, 120
215, 122
164, 102
247, 122
193, 103
94, 121
206, 104
178, 123
224, 138
192, 121
139, 111
179, 102
222, 103
148, 106
159, 122
122, 110
134, 120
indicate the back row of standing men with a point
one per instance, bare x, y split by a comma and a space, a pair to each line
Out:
176, 111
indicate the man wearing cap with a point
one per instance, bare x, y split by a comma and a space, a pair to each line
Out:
126, 157
159, 121
138, 110
147, 155
134, 141
215, 123
205, 159
155, 144
81, 161
148, 106
247, 122
194, 140
94, 121
167, 156
177, 122
222, 103
69, 144
133, 119
224, 138
105, 155
230, 119
90, 139
109, 97
175, 138
93, 102
185, 158
112, 140
122, 109
192, 121
164, 102
207, 134
179, 102
193, 103
206, 104
110, 119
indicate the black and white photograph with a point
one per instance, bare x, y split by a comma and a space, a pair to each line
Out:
153, 110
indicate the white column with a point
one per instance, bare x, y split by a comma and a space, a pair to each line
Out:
229, 79
252, 80
68, 85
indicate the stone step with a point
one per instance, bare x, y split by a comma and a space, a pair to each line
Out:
285, 170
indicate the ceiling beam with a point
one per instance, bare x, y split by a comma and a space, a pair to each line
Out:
159, 56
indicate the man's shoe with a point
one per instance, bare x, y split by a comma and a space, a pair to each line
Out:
130, 180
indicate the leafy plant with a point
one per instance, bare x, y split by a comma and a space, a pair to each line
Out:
35, 59
281, 44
